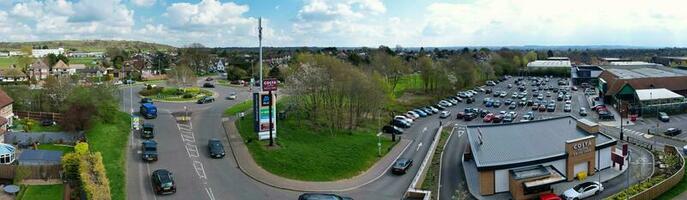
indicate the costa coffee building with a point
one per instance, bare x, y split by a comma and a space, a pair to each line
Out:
525, 159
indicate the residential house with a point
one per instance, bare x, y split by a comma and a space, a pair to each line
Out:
219, 66
9, 75
92, 72
6, 113
62, 69
39, 70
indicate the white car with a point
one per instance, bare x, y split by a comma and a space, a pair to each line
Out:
401, 117
415, 115
445, 114
583, 190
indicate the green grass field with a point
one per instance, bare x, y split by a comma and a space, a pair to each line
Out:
88, 61
6, 62
410, 82
237, 108
64, 148
42, 192
110, 140
314, 155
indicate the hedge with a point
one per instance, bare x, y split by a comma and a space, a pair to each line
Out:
93, 178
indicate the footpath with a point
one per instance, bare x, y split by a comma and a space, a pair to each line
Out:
249, 167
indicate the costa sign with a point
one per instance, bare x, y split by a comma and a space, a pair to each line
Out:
269, 84
582, 147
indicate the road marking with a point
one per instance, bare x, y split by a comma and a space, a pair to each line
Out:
192, 150
198, 166
210, 194
424, 129
418, 146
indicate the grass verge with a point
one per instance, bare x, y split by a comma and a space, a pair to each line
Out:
308, 154
239, 107
432, 178
57, 147
678, 189
6, 62
410, 82
110, 140
42, 192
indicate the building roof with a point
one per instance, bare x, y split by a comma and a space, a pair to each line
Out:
633, 63
60, 65
77, 66
658, 93
549, 63
40, 156
558, 58
615, 59
507, 145
39, 64
674, 57
644, 78
5, 99
11, 72
646, 72
6, 148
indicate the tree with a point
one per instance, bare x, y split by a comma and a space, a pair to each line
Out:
275, 73
391, 67
25, 59
181, 75
549, 53
161, 61
50, 59
63, 58
117, 56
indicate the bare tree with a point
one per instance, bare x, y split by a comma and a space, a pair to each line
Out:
181, 75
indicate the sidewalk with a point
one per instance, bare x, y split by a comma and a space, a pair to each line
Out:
248, 166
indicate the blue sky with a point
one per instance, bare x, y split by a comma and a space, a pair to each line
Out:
351, 22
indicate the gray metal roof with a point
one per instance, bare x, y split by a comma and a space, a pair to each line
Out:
646, 72
505, 144
36, 157
549, 63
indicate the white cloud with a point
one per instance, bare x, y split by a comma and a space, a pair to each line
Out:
505, 22
144, 3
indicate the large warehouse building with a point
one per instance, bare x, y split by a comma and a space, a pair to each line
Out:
525, 159
618, 85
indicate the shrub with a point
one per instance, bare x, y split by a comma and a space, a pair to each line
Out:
81, 148
170, 91
93, 178
193, 90
188, 96
70, 165
151, 91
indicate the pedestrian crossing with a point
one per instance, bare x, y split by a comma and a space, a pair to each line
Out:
637, 133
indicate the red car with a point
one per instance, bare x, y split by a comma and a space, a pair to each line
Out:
549, 196
488, 118
460, 115
497, 118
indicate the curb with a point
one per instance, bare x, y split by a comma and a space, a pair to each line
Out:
244, 171
441, 162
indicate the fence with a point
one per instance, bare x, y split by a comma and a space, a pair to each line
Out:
33, 172
666, 184
39, 115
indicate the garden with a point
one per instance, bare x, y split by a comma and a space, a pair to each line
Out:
667, 165
174, 94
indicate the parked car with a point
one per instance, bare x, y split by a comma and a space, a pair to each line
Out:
206, 99
444, 114
322, 196
513, 106
149, 150
583, 112
469, 116
497, 119
148, 131
549, 196
146, 100
163, 182
215, 148
583, 190
470, 100
497, 103
392, 129
47, 122
542, 108
529, 116
460, 115
209, 79
673, 131
400, 123
663, 117
401, 166
412, 114
405, 118
488, 118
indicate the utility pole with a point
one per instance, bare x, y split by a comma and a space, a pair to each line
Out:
260, 47
620, 108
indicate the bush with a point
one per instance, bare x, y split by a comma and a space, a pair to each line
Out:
81, 148
70, 165
193, 90
93, 178
171, 91
151, 91
188, 96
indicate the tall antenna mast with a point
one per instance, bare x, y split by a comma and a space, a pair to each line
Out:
260, 45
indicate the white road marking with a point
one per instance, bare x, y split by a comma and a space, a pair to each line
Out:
192, 150
210, 194
199, 169
424, 129
418, 146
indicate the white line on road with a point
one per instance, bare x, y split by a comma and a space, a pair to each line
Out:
418, 146
210, 194
192, 150
199, 169
424, 129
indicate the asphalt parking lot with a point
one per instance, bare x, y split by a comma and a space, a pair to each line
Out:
643, 125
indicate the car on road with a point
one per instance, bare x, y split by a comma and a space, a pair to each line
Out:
148, 111
322, 196
208, 85
488, 118
149, 150
469, 100
444, 114
231, 96
401, 166
663, 117
673, 131
583, 190
148, 131
392, 129
146, 100
215, 148
573, 88
583, 112
163, 182
567, 108
206, 99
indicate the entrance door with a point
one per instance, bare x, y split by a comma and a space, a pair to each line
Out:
580, 167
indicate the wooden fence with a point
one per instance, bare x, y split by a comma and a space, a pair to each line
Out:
33, 172
57, 117
666, 184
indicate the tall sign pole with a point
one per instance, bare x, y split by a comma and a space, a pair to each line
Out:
260, 47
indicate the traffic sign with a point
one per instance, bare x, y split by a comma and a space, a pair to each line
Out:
269, 84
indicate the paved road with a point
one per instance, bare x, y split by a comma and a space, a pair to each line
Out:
452, 177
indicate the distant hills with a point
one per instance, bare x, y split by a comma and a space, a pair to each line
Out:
87, 45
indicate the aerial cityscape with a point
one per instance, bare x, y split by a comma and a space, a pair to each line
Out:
342, 100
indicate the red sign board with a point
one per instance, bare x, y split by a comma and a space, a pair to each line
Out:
269, 84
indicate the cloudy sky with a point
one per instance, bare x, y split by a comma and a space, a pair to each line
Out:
351, 22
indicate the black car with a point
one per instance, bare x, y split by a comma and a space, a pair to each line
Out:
146, 100
149, 149
399, 123
673, 131
47, 122
322, 196
470, 100
469, 116
663, 117
401, 166
206, 99
392, 129
148, 131
208, 85
163, 182
209, 79
460, 115
215, 148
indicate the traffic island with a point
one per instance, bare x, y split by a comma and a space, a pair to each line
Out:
174, 94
